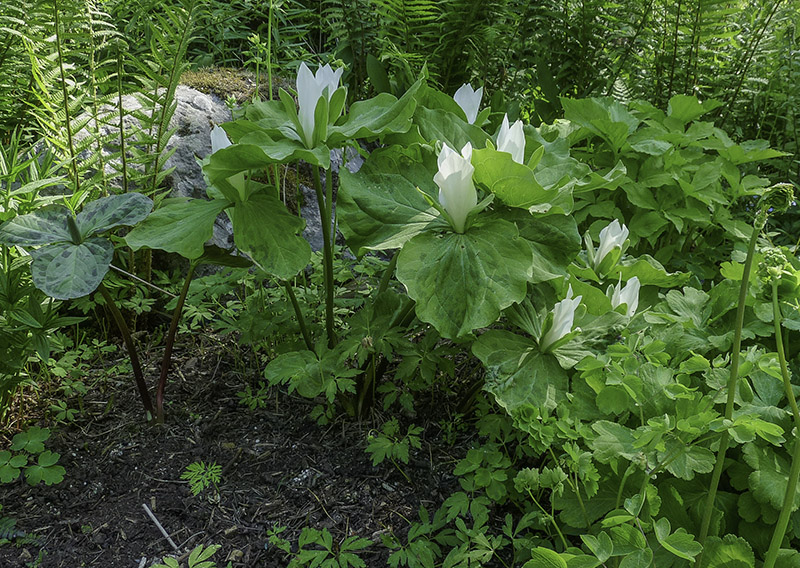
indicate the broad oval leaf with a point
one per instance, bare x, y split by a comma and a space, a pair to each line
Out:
112, 211
65, 271
514, 184
380, 207
382, 114
519, 375
44, 226
180, 225
270, 235
461, 282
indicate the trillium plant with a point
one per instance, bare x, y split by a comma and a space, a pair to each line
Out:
611, 358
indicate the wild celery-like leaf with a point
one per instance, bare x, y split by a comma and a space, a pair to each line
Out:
680, 543
31, 440
545, 558
10, 466
180, 225
728, 552
461, 282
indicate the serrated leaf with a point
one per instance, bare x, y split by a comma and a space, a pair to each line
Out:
65, 271
728, 552
461, 282
112, 211
180, 225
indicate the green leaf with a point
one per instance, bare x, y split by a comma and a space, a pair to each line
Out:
688, 460
380, 207
461, 282
602, 116
113, 211
43, 226
449, 129
649, 271
545, 558
770, 475
639, 559
45, 470
10, 466
277, 246
680, 543
685, 109
514, 184
256, 151
614, 440
728, 552
65, 271
600, 545
379, 115
518, 374
213, 254
181, 225
31, 440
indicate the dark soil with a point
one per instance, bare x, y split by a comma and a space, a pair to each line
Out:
279, 469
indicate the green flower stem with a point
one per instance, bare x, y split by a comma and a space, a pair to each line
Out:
733, 380
170, 342
387, 274
299, 314
327, 254
549, 517
129, 345
794, 472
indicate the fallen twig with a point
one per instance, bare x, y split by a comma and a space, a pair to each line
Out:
153, 518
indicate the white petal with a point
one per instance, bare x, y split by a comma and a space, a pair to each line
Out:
219, 139
469, 100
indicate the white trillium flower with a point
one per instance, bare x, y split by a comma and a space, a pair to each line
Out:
219, 139
613, 236
457, 193
469, 101
512, 140
310, 87
628, 295
563, 318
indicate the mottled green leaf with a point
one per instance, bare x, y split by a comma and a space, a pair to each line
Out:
65, 271
113, 211
43, 226
380, 207
729, 552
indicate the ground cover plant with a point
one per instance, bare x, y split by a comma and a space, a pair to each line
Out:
559, 334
